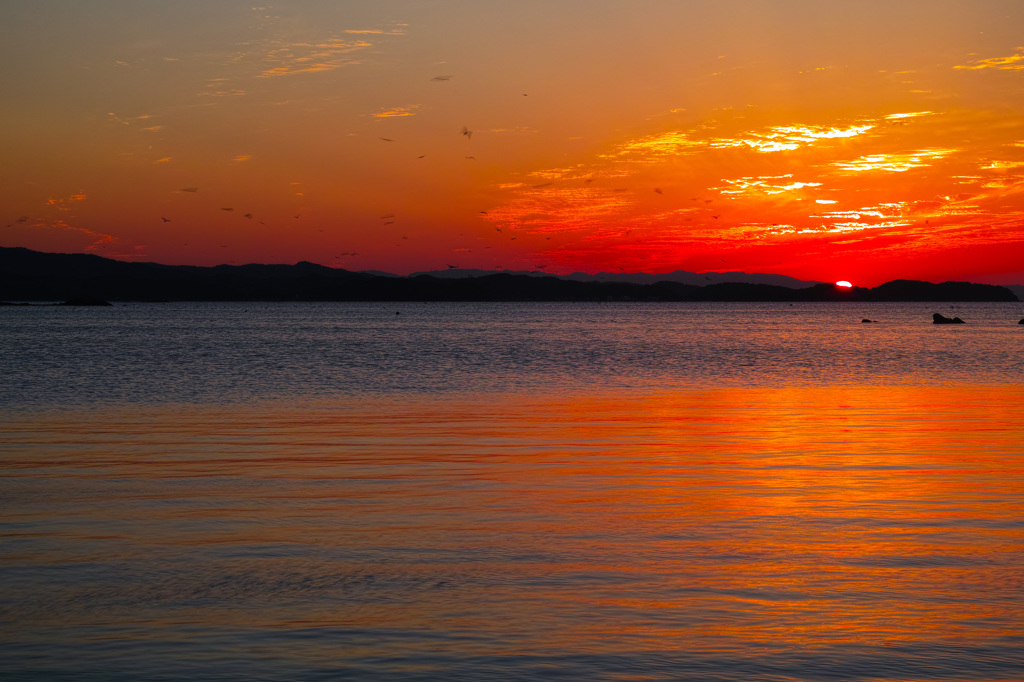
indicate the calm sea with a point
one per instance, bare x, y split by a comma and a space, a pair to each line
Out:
512, 491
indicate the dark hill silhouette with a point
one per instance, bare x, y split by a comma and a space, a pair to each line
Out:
1017, 289
699, 279
27, 275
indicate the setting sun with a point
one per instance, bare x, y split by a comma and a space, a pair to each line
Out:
843, 283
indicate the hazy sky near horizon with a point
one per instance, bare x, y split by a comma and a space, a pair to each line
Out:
825, 140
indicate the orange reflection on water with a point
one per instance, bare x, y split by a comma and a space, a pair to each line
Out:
734, 520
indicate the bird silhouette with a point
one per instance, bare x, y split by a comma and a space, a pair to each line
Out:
453, 267
386, 139
658, 190
189, 189
166, 220
467, 132
441, 78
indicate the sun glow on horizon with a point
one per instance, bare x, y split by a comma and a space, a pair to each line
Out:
801, 165
844, 284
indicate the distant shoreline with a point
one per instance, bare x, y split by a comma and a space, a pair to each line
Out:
27, 275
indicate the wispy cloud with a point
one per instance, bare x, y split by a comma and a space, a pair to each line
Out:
893, 163
1003, 165
1014, 62
773, 139
768, 185
64, 203
299, 58
396, 31
396, 112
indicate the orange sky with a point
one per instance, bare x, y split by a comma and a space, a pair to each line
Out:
863, 141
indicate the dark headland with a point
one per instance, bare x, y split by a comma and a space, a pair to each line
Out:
27, 275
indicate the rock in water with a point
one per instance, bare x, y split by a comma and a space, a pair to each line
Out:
939, 318
866, 320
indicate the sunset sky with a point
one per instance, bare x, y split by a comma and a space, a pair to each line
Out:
859, 140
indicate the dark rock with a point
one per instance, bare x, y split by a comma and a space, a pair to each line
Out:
939, 318
85, 300
866, 320
1021, 321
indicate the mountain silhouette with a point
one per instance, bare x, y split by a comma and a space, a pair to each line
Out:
27, 275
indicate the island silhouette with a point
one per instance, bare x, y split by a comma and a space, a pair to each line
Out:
27, 275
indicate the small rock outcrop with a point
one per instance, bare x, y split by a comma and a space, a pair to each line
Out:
1021, 321
939, 318
866, 321
86, 300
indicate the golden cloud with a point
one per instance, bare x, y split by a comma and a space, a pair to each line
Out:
312, 57
893, 163
397, 112
1014, 62
63, 203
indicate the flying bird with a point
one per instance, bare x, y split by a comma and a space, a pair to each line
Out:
189, 189
453, 267
386, 139
166, 220
249, 216
467, 132
227, 209
441, 78
658, 190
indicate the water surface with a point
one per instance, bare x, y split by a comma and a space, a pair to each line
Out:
305, 492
